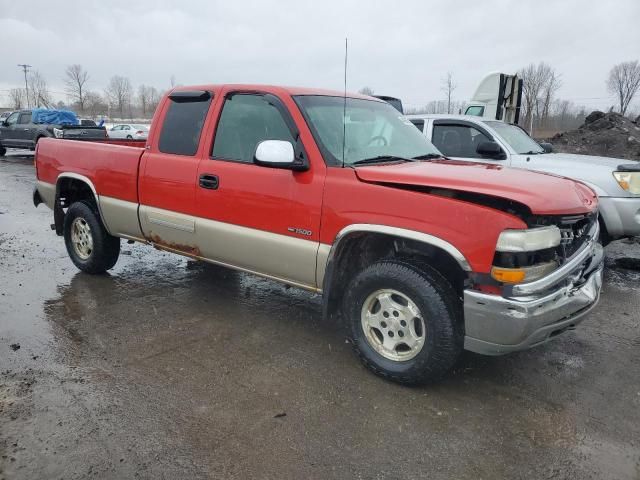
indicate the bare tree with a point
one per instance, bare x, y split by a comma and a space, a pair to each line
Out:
95, 105
118, 94
549, 90
448, 86
623, 82
75, 80
366, 91
154, 99
39, 95
538, 82
17, 97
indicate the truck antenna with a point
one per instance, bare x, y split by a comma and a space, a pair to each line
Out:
344, 106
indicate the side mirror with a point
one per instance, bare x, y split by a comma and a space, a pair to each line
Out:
547, 147
278, 154
491, 150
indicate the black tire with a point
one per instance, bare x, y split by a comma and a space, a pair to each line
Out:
3, 151
439, 307
129, 137
105, 249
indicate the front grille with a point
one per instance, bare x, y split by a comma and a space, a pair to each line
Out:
574, 230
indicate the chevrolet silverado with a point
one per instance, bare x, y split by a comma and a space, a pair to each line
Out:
419, 256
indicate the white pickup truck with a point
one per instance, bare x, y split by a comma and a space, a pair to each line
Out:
481, 139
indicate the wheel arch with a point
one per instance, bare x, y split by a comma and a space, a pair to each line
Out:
72, 187
359, 245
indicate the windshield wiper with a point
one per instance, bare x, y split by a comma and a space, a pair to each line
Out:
382, 158
428, 156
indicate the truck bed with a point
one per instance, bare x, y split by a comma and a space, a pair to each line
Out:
111, 166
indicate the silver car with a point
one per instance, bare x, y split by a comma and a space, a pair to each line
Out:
615, 180
129, 131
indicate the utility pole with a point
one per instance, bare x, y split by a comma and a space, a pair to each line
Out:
25, 69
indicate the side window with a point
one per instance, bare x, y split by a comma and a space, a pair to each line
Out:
13, 118
24, 118
246, 120
126, 127
418, 123
475, 110
182, 125
458, 140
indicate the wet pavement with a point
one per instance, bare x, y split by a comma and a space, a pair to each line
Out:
168, 368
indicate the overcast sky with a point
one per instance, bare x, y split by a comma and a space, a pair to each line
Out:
397, 48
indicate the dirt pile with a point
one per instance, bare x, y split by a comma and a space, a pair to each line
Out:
605, 134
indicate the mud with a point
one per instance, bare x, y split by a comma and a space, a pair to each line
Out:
170, 368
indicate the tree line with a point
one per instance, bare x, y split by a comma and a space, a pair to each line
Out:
119, 98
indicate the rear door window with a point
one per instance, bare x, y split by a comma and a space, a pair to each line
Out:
183, 124
24, 119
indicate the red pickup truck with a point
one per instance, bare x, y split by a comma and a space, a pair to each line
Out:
421, 257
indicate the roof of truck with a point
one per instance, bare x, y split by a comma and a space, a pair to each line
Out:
276, 89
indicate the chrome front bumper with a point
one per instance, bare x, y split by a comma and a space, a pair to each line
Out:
534, 312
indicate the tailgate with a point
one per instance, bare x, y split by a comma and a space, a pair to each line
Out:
80, 132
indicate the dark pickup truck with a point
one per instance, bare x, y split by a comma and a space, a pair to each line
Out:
18, 130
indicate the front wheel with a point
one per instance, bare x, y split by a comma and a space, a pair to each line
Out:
3, 151
405, 322
88, 243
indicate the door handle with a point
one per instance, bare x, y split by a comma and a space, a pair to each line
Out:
209, 181
26, 129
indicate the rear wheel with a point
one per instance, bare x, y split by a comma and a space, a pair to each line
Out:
406, 324
129, 137
88, 243
3, 151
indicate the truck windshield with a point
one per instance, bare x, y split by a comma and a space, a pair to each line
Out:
372, 130
516, 138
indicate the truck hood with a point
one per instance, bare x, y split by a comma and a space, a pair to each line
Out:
544, 194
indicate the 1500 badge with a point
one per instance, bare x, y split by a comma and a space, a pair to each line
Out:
300, 231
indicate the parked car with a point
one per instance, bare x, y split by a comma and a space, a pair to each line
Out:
129, 131
25, 128
4, 115
476, 139
86, 122
419, 256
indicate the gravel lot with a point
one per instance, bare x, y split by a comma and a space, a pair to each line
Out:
168, 368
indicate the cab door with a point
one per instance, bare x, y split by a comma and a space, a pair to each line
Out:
260, 219
9, 132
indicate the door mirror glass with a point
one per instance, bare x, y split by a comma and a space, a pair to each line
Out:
547, 147
490, 150
275, 153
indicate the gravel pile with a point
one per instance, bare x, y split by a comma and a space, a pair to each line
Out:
605, 134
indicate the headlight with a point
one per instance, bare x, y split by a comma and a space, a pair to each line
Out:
629, 181
528, 240
58, 133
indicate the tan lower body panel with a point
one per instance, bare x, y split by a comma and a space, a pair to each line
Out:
285, 258
47, 192
120, 217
